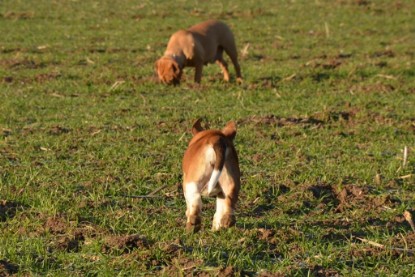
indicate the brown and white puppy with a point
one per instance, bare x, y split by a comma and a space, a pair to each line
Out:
211, 167
195, 47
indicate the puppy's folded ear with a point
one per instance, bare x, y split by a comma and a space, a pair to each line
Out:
197, 127
230, 130
176, 69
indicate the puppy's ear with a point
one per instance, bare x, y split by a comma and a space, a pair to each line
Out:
197, 127
176, 68
230, 130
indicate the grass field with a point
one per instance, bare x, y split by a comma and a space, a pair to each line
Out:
325, 112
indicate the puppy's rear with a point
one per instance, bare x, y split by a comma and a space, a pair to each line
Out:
210, 167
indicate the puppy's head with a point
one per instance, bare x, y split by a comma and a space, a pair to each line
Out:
168, 71
229, 130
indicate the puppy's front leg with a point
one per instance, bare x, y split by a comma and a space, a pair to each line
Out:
198, 73
194, 207
224, 66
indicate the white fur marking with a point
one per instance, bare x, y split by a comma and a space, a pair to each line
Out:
210, 162
210, 155
213, 180
193, 198
221, 211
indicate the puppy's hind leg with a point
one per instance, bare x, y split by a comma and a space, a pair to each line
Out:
233, 54
226, 201
194, 207
224, 216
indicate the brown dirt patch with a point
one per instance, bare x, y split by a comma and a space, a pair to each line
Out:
6, 132
366, 251
186, 266
20, 63
335, 116
383, 53
351, 196
405, 241
125, 243
173, 249
58, 130
8, 79
7, 268
71, 243
325, 64
17, 15
279, 121
266, 234
43, 77
324, 192
265, 82
56, 225
320, 271
10, 155
270, 274
227, 271
373, 88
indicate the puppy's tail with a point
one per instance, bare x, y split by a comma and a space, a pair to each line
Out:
219, 147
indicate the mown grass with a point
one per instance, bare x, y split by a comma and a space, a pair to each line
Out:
327, 104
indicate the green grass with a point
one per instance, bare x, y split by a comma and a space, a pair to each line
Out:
328, 103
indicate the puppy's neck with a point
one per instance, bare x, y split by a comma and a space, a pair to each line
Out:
179, 58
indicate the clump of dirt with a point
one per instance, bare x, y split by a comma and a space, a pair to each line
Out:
400, 245
320, 271
324, 192
6, 132
72, 243
17, 15
325, 64
16, 63
351, 196
173, 249
383, 53
8, 79
266, 235
373, 88
280, 121
7, 268
334, 235
266, 82
58, 130
187, 266
43, 77
269, 274
227, 271
335, 116
404, 241
125, 243
56, 225
8, 209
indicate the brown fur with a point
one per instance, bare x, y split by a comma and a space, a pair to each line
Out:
195, 47
198, 168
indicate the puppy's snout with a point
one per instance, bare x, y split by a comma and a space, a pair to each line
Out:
176, 82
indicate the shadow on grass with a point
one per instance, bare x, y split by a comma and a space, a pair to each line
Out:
7, 268
8, 209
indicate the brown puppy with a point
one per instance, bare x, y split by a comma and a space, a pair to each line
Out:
195, 47
211, 167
